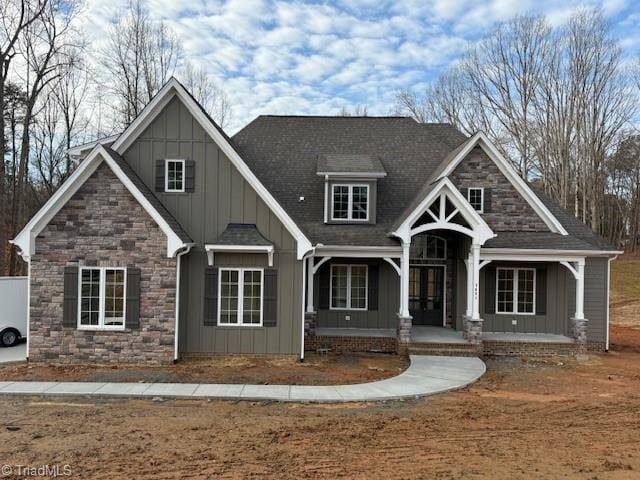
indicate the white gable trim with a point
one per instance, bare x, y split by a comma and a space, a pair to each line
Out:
507, 170
160, 100
25, 240
480, 232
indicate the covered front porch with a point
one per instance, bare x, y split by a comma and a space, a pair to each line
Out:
440, 286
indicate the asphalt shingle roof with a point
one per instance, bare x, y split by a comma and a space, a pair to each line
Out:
284, 152
242, 234
350, 163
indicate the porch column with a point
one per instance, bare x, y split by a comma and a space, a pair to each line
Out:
475, 259
404, 281
578, 320
472, 321
404, 319
310, 285
469, 306
580, 290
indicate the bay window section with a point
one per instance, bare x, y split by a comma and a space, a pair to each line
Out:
102, 298
515, 292
349, 284
240, 297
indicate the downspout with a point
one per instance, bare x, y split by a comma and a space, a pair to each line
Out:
606, 346
179, 255
28, 305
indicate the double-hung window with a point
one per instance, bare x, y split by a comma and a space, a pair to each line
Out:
174, 176
516, 290
350, 202
349, 287
475, 196
102, 298
240, 296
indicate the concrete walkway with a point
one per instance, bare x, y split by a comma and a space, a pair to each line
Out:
426, 375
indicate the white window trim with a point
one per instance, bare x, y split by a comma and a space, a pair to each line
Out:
349, 202
239, 314
166, 175
101, 302
366, 287
481, 198
515, 290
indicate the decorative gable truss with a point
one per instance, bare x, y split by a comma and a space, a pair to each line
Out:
26, 239
444, 208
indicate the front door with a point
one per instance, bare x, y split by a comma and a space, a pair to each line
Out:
426, 295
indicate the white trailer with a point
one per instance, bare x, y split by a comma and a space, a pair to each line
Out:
13, 309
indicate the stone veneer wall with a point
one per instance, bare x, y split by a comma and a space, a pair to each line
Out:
102, 225
509, 210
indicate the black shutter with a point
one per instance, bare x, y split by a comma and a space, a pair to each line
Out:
489, 289
70, 303
270, 308
189, 176
541, 291
160, 176
373, 287
211, 296
132, 319
487, 200
464, 193
323, 284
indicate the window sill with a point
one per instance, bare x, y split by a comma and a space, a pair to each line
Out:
102, 329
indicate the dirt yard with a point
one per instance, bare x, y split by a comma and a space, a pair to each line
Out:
316, 370
524, 419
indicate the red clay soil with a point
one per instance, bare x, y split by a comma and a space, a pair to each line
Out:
316, 370
544, 419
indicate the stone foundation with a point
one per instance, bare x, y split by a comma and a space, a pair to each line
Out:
102, 225
352, 344
472, 330
310, 324
579, 330
404, 333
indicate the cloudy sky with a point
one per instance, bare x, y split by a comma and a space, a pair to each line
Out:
316, 57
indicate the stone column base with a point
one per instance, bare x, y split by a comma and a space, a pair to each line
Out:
472, 330
404, 333
579, 330
310, 324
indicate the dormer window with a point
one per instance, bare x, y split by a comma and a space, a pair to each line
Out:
475, 196
350, 202
174, 176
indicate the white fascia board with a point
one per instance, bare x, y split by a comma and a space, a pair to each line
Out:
161, 99
352, 174
25, 240
444, 184
358, 252
507, 170
556, 253
211, 248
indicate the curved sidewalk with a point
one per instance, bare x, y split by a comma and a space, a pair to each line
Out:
427, 375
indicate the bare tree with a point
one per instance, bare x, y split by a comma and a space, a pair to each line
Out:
15, 17
139, 58
357, 111
208, 93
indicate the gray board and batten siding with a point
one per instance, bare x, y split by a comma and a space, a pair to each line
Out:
220, 196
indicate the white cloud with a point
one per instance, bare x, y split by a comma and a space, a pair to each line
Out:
276, 56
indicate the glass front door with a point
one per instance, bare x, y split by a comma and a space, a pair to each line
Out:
426, 295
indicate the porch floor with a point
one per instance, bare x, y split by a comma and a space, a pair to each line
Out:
355, 332
525, 337
427, 334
